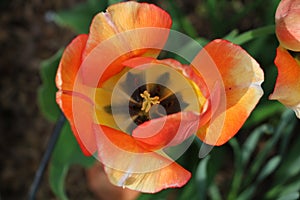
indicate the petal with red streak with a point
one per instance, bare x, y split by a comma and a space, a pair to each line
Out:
241, 78
81, 119
70, 63
287, 88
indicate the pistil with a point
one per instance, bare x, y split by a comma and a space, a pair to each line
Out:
148, 101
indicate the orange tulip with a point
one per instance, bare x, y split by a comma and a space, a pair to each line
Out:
139, 113
287, 88
287, 20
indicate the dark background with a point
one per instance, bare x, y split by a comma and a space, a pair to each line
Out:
26, 38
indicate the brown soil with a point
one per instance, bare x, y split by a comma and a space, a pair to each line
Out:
26, 38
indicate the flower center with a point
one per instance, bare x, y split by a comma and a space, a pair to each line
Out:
152, 101
148, 101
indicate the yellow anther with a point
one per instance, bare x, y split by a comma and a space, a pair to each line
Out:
148, 101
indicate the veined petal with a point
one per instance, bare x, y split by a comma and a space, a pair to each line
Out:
287, 20
70, 63
126, 30
242, 78
127, 16
127, 164
172, 176
81, 120
287, 88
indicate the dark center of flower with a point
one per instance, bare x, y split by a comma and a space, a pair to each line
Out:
151, 101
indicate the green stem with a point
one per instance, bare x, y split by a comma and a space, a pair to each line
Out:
256, 33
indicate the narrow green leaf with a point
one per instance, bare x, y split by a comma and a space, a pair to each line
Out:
291, 196
291, 163
252, 141
247, 193
214, 192
284, 189
46, 92
230, 36
201, 178
57, 174
238, 172
256, 33
269, 168
286, 120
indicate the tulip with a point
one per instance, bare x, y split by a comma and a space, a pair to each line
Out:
131, 110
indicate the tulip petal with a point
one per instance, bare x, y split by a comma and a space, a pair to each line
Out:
172, 176
81, 119
167, 131
129, 165
287, 88
126, 30
287, 19
70, 63
127, 16
242, 77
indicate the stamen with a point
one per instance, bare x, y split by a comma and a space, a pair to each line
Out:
148, 101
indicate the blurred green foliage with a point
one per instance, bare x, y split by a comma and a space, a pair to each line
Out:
263, 165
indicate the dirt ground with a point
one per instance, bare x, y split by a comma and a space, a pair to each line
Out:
26, 38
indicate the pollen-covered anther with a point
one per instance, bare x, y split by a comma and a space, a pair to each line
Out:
148, 101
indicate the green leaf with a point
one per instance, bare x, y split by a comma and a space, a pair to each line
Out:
66, 153
214, 192
269, 168
110, 2
263, 112
291, 196
80, 17
286, 121
201, 178
57, 176
256, 33
46, 93
252, 141
238, 175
